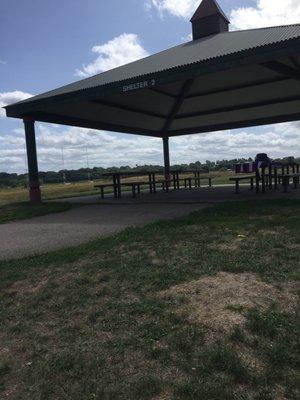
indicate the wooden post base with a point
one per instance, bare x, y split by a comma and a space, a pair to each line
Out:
35, 195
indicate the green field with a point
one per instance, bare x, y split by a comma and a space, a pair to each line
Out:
51, 191
203, 307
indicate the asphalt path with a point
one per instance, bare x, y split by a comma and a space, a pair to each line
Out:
80, 225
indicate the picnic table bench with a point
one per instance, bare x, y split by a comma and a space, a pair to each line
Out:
197, 180
286, 178
238, 179
103, 186
135, 187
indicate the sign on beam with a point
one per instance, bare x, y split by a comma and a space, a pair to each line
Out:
139, 85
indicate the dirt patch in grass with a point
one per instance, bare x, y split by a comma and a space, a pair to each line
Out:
233, 245
280, 230
263, 217
163, 396
26, 287
253, 362
215, 300
293, 246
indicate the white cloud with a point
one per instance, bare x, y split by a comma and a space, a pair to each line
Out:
266, 13
2, 62
103, 148
187, 38
263, 13
277, 140
118, 51
7, 98
178, 8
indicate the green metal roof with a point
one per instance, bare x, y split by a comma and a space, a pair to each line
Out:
223, 81
212, 48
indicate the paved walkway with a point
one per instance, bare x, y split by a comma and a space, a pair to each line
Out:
101, 218
79, 225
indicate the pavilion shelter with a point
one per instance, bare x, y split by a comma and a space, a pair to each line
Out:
219, 80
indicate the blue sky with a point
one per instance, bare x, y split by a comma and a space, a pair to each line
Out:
44, 43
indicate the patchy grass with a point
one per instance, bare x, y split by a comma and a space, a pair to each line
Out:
17, 211
237, 291
113, 319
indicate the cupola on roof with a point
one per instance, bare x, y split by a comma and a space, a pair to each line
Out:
209, 19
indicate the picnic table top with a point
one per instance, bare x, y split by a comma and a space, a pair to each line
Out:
291, 175
144, 173
121, 173
274, 163
241, 177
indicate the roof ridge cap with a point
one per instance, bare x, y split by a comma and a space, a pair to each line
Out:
245, 30
265, 27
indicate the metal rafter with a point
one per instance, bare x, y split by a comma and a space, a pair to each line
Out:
282, 69
295, 62
176, 107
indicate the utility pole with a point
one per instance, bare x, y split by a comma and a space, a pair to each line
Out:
63, 165
89, 175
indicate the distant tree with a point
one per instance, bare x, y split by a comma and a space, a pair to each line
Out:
83, 174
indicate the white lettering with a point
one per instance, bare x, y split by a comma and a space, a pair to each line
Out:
138, 85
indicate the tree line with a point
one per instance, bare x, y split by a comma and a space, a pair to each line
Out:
84, 174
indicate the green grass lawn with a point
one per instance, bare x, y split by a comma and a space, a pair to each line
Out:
26, 210
199, 308
49, 192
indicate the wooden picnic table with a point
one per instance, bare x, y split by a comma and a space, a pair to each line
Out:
270, 177
117, 183
152, 180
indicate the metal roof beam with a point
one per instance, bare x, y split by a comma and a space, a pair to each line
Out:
129, 108
178, 103
238, 107
282, 69
295, 62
